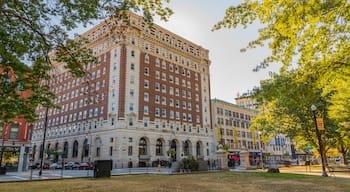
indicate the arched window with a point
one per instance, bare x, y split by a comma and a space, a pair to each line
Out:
65, 150
173, 148
159, 147
187, 148
56, 146
75, 149
198, 149
143, 146
86, 148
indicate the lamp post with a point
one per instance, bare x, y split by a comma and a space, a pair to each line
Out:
43, 146
324, 173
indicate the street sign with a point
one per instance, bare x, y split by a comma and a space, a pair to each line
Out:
320, 124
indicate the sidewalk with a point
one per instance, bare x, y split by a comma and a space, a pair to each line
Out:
314, 170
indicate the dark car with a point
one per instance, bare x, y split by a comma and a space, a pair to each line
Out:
45, 166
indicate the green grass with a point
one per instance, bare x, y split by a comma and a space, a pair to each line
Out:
199, 182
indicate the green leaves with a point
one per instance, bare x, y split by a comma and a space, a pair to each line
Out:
30, 30
314, 38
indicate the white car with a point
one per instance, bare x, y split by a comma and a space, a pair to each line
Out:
71, 165
56, 166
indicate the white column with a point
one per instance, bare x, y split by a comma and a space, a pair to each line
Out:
21, 158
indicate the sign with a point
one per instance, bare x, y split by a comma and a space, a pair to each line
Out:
320, 124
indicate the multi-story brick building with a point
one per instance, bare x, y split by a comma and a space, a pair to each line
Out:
148, 93
15, 136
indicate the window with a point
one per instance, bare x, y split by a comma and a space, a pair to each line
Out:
163, 100
157, 86
159, 147
143, 146
146, 58
171, 102
163, 112
171, 114
132, 53
177, 115
146, 83
187, 148
65, 150
130, 151
164, 76
171, 91
163, 88
171, 67
183, 83
164, 65
131, 92
157, 112
157, 63
146, 70
145, 109
145, 123
14, 131
157, 75
184, 116
86, 148
132, 66
75, 149
157, 99
145, 96
131, 106
113, 107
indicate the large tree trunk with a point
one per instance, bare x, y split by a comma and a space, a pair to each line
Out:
344, 150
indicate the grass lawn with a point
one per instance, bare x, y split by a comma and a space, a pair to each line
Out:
201, 182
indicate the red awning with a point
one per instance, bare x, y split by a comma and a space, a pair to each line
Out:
236, 158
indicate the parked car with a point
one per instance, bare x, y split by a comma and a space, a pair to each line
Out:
45, 166
86, 166
56, 166
71, 165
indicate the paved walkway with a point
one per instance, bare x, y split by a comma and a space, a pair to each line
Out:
313, 171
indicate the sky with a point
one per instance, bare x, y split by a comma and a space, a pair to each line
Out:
231, 71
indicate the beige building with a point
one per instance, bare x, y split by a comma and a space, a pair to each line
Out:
232, 124
149, 93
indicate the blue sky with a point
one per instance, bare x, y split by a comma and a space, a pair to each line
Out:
231, 71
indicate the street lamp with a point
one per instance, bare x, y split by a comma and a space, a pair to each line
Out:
313, 109
44, 139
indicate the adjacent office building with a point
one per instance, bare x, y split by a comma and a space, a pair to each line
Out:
232, 124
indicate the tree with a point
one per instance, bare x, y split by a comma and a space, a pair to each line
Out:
311, 37
37, 32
